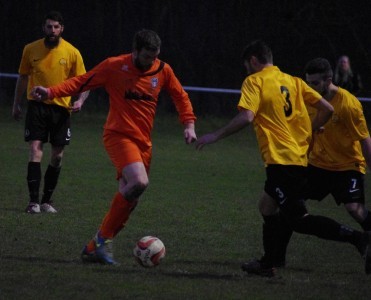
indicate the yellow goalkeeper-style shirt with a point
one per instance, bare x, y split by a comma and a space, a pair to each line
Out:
47, 67
337, 148
282, 124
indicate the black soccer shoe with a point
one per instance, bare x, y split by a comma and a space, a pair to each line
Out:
258, 267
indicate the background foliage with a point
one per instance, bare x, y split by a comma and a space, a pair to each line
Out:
202, 40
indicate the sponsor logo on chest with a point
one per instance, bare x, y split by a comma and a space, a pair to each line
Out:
154, 82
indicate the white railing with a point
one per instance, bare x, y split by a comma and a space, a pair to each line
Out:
191, 88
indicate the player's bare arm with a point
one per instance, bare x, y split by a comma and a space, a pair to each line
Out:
324, 113
20, 88
77, 105
243, 119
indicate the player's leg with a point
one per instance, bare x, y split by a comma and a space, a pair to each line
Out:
34, 175
350, 191
59, 121
360, 213
276, 231
346, 187
276, 236
132, 184
51, 179
323, 227
35, 135
133, 180
317, 187
288, 191
268, 208
286, 184
328, 229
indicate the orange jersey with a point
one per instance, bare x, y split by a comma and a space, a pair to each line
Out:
133, 94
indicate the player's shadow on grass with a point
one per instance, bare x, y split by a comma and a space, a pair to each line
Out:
173, 274
186, 269
180, 272
203, 275
33, 259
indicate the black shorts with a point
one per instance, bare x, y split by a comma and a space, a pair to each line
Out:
344, 186
47, 123
287, 185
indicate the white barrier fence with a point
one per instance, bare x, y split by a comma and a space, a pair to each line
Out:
191, 88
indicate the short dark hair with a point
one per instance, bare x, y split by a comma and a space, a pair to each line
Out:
55, 16
319, 65
260, 50
146, 39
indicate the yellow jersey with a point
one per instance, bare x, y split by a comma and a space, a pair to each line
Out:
47, 67
282, 124
337, 148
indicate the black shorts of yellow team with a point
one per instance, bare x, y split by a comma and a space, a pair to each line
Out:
344, 186
287, 184
47, 123
291, 186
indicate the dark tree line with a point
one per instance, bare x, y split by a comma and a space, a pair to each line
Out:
202, 40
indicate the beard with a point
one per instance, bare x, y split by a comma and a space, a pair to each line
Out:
51, 41
140, 66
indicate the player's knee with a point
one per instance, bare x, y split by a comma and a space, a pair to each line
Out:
141, 185
356, 210
267, 205
56, 161
295, 219
36, 152
133, 191
294, 212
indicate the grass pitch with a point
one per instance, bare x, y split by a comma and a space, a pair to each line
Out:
202, 205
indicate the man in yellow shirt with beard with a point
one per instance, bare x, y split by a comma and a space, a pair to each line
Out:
47, 61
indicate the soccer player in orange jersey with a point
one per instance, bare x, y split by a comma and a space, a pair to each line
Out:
133, 82
47, 61
275, 103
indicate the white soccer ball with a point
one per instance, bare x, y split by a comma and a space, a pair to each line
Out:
149, 251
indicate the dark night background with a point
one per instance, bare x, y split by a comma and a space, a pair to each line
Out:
202, 40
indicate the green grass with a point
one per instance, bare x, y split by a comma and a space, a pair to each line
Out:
203, 205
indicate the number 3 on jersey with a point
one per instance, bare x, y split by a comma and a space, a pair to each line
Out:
288, 107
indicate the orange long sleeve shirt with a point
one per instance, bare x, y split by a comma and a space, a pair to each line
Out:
133, 94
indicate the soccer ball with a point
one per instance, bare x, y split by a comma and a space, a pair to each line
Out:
149, 251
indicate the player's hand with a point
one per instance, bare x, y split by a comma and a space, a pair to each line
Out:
189, 133
77, 106
189, 136
39, 93
17, 112
206, 139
